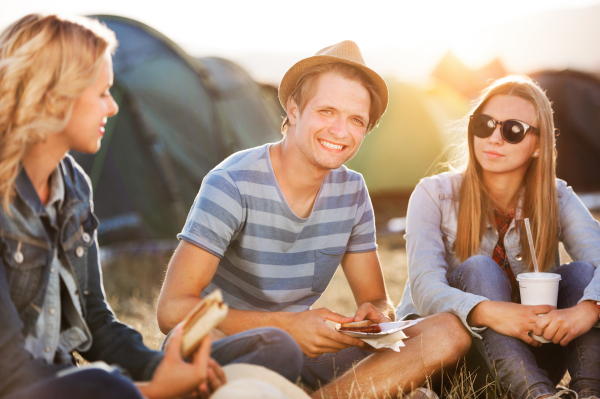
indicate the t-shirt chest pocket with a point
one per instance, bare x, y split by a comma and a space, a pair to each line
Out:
326, 263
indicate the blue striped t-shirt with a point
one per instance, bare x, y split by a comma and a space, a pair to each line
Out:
272, 260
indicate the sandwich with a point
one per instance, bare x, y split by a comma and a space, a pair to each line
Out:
208, 314
365, 326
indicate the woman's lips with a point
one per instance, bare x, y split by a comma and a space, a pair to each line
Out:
492, 154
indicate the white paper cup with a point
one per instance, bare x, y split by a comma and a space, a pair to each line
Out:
538, 289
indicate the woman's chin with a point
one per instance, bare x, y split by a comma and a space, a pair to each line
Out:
91, 149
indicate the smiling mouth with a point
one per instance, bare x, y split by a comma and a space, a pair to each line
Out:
331, 146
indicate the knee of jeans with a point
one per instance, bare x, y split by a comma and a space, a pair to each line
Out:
480, 266
286, 354
580, 270
576, 275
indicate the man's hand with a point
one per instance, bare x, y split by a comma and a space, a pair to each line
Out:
314, 336
368, 311
174, 377
508, 318
564, 325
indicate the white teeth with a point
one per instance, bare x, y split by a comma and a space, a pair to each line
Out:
331, 145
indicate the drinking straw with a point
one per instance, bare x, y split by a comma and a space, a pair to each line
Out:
530, 238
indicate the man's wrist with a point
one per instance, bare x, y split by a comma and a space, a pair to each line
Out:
283, 320
386, 307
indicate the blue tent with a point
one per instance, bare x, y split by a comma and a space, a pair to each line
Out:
179, 117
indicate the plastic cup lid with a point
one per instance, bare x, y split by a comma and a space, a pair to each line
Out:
545, 277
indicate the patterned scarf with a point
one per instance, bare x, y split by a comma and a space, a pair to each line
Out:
503, 222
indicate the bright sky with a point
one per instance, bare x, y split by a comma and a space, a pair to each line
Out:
235, 29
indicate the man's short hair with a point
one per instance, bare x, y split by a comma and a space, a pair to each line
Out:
307, 85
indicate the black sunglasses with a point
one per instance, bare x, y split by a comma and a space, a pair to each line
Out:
512, 130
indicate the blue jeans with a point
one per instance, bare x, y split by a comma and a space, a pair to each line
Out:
523, 370
88, 383
268, 347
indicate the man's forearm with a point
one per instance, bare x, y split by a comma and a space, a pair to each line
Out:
241, 320
172, 311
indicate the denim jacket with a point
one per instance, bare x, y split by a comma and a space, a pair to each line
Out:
27, 244
431, 231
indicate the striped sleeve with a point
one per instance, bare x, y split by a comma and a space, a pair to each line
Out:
216, 214
362, 238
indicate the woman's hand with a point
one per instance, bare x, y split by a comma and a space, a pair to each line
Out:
216, 379
564, 325
175, 377
511, 319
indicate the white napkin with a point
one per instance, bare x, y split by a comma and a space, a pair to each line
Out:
392, 341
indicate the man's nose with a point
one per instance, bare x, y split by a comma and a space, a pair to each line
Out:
339, 127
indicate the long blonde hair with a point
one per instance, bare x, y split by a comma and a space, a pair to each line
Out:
540, 203
46, 63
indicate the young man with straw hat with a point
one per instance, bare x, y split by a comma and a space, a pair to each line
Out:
271, 224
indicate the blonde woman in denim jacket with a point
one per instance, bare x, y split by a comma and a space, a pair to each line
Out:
466, 243
55, 76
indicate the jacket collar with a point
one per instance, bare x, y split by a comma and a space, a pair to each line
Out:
26, 191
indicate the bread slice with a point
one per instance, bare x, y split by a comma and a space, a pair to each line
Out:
208, 314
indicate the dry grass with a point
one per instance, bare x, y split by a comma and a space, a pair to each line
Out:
132, 284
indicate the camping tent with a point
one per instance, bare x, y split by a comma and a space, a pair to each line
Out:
179, 117
408, 143
575, 100
410, 138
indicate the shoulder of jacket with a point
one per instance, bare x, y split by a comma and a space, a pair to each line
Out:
74, 172
444, 183
561, 185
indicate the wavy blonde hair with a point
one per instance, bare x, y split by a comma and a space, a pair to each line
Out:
46, 63
540, 203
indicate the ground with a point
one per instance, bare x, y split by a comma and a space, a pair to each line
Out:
132, 283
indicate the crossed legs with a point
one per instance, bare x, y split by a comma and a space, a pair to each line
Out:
523, 370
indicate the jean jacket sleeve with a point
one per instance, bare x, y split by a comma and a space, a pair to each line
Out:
580, 234
427, 266
18, 369
112, 341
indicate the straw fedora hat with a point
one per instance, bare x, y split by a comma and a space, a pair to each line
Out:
346, 52
250, 381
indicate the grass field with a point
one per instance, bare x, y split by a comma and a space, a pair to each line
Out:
132, 284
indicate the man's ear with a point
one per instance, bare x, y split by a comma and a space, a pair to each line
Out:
292, 111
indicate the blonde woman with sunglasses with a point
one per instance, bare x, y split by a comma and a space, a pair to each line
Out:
466, 242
